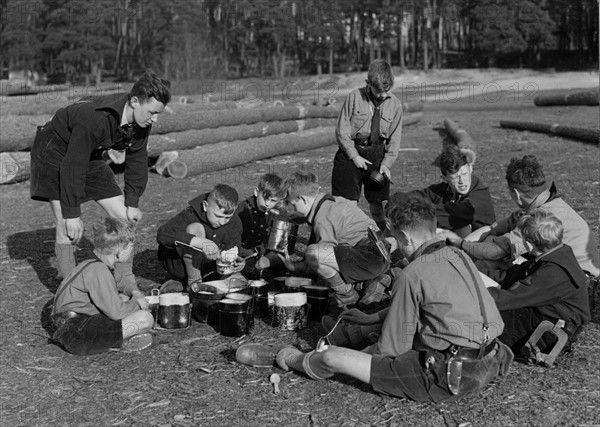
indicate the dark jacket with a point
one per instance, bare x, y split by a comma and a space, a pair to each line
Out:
456, 211
87, 128
553, 283
226, 236
255, 224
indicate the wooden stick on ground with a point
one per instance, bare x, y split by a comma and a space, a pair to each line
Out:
579, 133
575, 98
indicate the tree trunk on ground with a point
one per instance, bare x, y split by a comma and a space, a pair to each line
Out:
577, 98
198, 137
214, 119
582, 134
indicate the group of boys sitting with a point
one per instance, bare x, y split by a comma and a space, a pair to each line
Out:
459, 301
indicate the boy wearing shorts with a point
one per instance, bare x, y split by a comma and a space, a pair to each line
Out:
92, 311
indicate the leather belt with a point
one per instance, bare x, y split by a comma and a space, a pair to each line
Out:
60, 318
470, 353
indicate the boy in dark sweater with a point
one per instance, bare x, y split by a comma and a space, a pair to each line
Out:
255, 213
210, 224
551, 286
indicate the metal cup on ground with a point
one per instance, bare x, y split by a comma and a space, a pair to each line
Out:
290, 311
174, 310
260, 297
318, 299
235, 317
293, 284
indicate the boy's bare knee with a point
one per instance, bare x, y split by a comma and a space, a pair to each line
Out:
196, 229
329, 359
312, 255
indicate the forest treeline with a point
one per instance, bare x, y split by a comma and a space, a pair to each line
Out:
195, 39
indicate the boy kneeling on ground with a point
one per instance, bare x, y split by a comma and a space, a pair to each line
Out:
92, 311
438, 341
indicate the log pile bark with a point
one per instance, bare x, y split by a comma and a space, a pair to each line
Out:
214, 119
576, 98
582, 134
197, 137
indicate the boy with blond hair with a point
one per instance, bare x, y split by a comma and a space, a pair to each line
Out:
339, 250
92, 311
550, 286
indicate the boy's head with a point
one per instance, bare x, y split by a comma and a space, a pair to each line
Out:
220, 205
525, 179
380, 78
456, 170
412, 221
542, 230
116, 236
301, 189
269, 192
148, 98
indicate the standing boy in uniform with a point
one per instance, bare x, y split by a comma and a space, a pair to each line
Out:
68, 169
368, 133
210, 224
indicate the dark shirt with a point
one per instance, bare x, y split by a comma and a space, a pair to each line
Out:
84, 130
553, 283
255, 224
455, 211
226, 236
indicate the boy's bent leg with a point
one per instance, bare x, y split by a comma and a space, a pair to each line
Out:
63, 248
321, 258
137, 323
84, 335
334, 360
193, 259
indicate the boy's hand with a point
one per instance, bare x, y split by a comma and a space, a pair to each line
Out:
134, 214
385, 171
211, 249
143, 303
74, 228
287, 261
361, 163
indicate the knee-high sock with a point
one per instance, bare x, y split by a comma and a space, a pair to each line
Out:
193, 273
308, 363
338, 285
65, 258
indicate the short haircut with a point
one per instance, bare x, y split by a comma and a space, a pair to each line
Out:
112, 233
542, 229
451, 160
226, 197
151, 86
271, 185
380, 75
301, 184
406, 211
526, 175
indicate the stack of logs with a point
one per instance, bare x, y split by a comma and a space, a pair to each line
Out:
193, 138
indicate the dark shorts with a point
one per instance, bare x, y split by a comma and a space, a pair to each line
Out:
85, 335
47, 154
361, 262
407, 376
172, 261
347, 180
